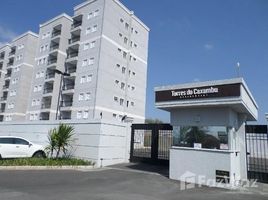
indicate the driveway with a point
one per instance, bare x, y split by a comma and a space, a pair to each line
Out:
121, 182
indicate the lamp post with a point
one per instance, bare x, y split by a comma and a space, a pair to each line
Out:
63, 74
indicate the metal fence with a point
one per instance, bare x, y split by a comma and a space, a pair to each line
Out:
151, 143
257, 152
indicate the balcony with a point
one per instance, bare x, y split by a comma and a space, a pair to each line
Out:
2, 56
50, 75
44, 116
54, 47
68, 86
4, 98
5, 87
52, 61
66, 103
48, 90
12, 52
46, 106
3, 109
74, 40
65, 115
70, 68
8, 75
77, 22
56, 33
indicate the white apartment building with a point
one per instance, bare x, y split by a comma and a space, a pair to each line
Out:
102, 51
16, 70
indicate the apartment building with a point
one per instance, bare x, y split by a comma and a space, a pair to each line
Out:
50, 55
16, 65
90, 66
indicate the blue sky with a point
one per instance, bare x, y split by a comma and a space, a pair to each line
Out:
190, 40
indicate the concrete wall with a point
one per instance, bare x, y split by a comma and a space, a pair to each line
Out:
94, 139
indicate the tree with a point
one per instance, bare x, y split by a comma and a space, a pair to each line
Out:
153, 121
60, 139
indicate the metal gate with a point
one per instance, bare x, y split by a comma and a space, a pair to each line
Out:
151, 143
257, 152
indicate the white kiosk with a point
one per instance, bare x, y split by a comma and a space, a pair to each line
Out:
208, 120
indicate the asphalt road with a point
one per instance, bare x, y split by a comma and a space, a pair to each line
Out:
106, 184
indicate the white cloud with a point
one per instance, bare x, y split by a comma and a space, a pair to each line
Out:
209, 46
6, 35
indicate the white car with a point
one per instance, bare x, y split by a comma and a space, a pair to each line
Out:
16, 147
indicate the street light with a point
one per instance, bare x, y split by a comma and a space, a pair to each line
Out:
63, 74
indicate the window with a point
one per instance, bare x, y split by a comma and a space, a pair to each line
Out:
37, 75
8, 118
116, 81
88, 30
13, 93
135, 45
42, 74
87, 96
125, 40
21, 46
124, 54
35, 116
116, 99
90, 15
133, 73
209, 137
20, 141
126, 26
91, 61
83, 79
89, 78
6, 140
121, 20
39, 87
123, 70
121, 102
120, 34
33, 102
38, 102
94, 29
92, 44
15, 81
79, 115
84, 63
81, 97
86, 46
123, 86
96, 13
31, 117
35, 88
118, 65
132, 103
114, 115
132, 88
85, 114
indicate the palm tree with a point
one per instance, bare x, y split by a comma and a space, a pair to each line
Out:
60, 139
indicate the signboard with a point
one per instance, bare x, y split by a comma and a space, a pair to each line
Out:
217, 91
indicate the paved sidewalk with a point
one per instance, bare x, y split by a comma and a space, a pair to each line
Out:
114, 183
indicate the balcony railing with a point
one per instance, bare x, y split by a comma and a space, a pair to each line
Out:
11, 53
71, 70
50, 75
76, 24
55, 33
68, 86
10, 63
5, 87
72, 55
2, 57
52, 61
8, 75
48, 90
74, 39
54, 47
3, 98
46, 106
2, 110
66, 103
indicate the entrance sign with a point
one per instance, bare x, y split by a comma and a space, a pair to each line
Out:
229, 90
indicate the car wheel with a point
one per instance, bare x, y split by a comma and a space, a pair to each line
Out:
39, 154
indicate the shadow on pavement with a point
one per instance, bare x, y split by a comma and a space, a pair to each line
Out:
144, 167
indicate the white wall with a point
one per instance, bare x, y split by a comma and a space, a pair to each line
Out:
94, 139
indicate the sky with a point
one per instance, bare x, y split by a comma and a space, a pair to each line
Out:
190, 40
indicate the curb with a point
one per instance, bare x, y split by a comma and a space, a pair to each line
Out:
46, 167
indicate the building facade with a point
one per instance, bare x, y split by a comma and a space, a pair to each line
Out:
16, 64
90, 66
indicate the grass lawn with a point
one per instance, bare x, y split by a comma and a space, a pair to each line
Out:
44, 162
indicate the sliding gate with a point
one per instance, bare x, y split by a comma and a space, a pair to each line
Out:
257, 152
151, 143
